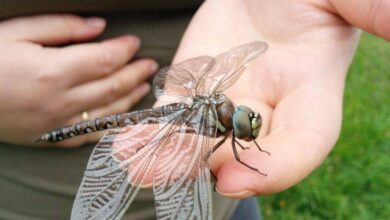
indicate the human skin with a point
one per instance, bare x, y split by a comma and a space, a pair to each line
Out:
46, 85
297, 85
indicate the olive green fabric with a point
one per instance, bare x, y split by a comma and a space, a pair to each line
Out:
10, 8
40, 183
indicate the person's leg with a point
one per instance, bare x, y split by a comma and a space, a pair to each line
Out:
247, 209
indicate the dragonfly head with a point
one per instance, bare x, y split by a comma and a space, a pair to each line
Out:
246, 123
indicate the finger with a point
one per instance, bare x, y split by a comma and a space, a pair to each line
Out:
122, 105
51, 29
101, 92
305, 126
78, 64
370, 15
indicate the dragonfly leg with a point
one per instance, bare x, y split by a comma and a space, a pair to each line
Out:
219, 143
242, 147
264, 151
216, 146
209, 154
238, 157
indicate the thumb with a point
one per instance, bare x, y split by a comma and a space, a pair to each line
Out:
370, 15
51, 29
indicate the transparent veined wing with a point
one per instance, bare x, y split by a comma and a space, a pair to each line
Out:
205, 75
181, 181
179, 81
228, 67
137, 152
122, 155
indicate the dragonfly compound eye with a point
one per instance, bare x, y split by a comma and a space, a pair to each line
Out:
242, 122
246, 123
256, 123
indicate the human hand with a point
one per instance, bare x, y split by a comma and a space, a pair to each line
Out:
44, 87
297, 85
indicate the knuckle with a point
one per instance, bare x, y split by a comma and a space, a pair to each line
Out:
69, 23
106, 62
114, 90
47, 72
52, 111
46, 76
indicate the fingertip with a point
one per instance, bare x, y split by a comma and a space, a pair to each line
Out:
95, 22
93, 26
72, 28
142, 69
134, 40
144, 89
54, 29
124, 48
237, 181
131, 40
153, 66
137, 94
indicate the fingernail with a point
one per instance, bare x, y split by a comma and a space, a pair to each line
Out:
95, 22
153, 66
137, 42
242, 194
144, 88
132, 40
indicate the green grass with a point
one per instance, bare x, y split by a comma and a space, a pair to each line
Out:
354, 181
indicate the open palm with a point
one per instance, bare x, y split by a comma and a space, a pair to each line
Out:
297, 86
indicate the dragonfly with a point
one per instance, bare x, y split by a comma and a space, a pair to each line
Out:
170, 145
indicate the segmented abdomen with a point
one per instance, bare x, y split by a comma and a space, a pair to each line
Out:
113, 121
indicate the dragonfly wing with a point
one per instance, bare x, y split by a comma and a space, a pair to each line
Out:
205, 75
122, 155
228, 67
181, 181
179, 81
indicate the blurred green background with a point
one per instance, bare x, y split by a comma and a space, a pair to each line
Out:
353, 182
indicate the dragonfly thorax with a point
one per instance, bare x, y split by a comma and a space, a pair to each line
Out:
225, 111
245, 123
223, 107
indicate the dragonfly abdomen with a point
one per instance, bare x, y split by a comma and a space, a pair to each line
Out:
108, 122
84, 127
